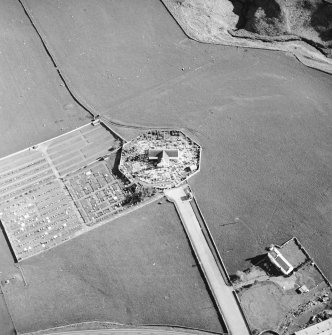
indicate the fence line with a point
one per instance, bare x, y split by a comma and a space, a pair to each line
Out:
309, 257
213, 242
241, 310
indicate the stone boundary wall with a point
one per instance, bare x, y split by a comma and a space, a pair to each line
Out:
222, 265
181, 130
112, 327
213, 243
309, 258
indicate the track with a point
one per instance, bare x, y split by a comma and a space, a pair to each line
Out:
54, 62
223, 294
108, 121
127, 331
93, 113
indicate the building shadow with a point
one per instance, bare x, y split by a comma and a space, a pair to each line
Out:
8, 242
262, 261
321, 21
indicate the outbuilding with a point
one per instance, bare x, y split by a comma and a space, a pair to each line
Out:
279, 260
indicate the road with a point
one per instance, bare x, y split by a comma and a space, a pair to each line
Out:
148, 330
222, 293
129, 331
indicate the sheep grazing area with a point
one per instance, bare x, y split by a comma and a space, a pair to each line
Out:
263, 121
137, 269
34, 105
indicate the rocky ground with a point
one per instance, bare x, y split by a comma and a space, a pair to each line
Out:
303, 27
309, 20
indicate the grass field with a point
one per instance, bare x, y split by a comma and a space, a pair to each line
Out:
107, 60
138, 269
7, 270
34, 102
263, 119
266, 151
5, 321
268, 306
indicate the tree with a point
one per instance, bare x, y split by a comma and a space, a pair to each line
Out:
133, 198
138, 195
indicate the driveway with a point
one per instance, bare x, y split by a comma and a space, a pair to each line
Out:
222, 293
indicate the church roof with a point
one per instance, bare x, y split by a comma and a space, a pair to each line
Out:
163, 155
159, 153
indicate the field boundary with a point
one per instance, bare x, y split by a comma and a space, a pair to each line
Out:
245, 318
4, 232
229, 309
8, 310
206, 280
64, 134
28, 13
37, 144
104, 122
97, 225
314, 63
221, 263
309, 258
223, 266
114, 326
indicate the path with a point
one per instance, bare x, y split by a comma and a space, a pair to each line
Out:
223, 294
128, 331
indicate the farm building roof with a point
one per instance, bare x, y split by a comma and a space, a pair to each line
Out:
321, 328
280, 261
294, 252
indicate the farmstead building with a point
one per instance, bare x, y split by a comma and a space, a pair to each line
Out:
279, 261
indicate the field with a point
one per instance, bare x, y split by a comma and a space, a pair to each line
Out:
107, 61
138, 269
263, 120
35, 105
265, 134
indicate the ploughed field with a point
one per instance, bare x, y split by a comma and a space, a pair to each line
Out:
262, 119
137, 269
